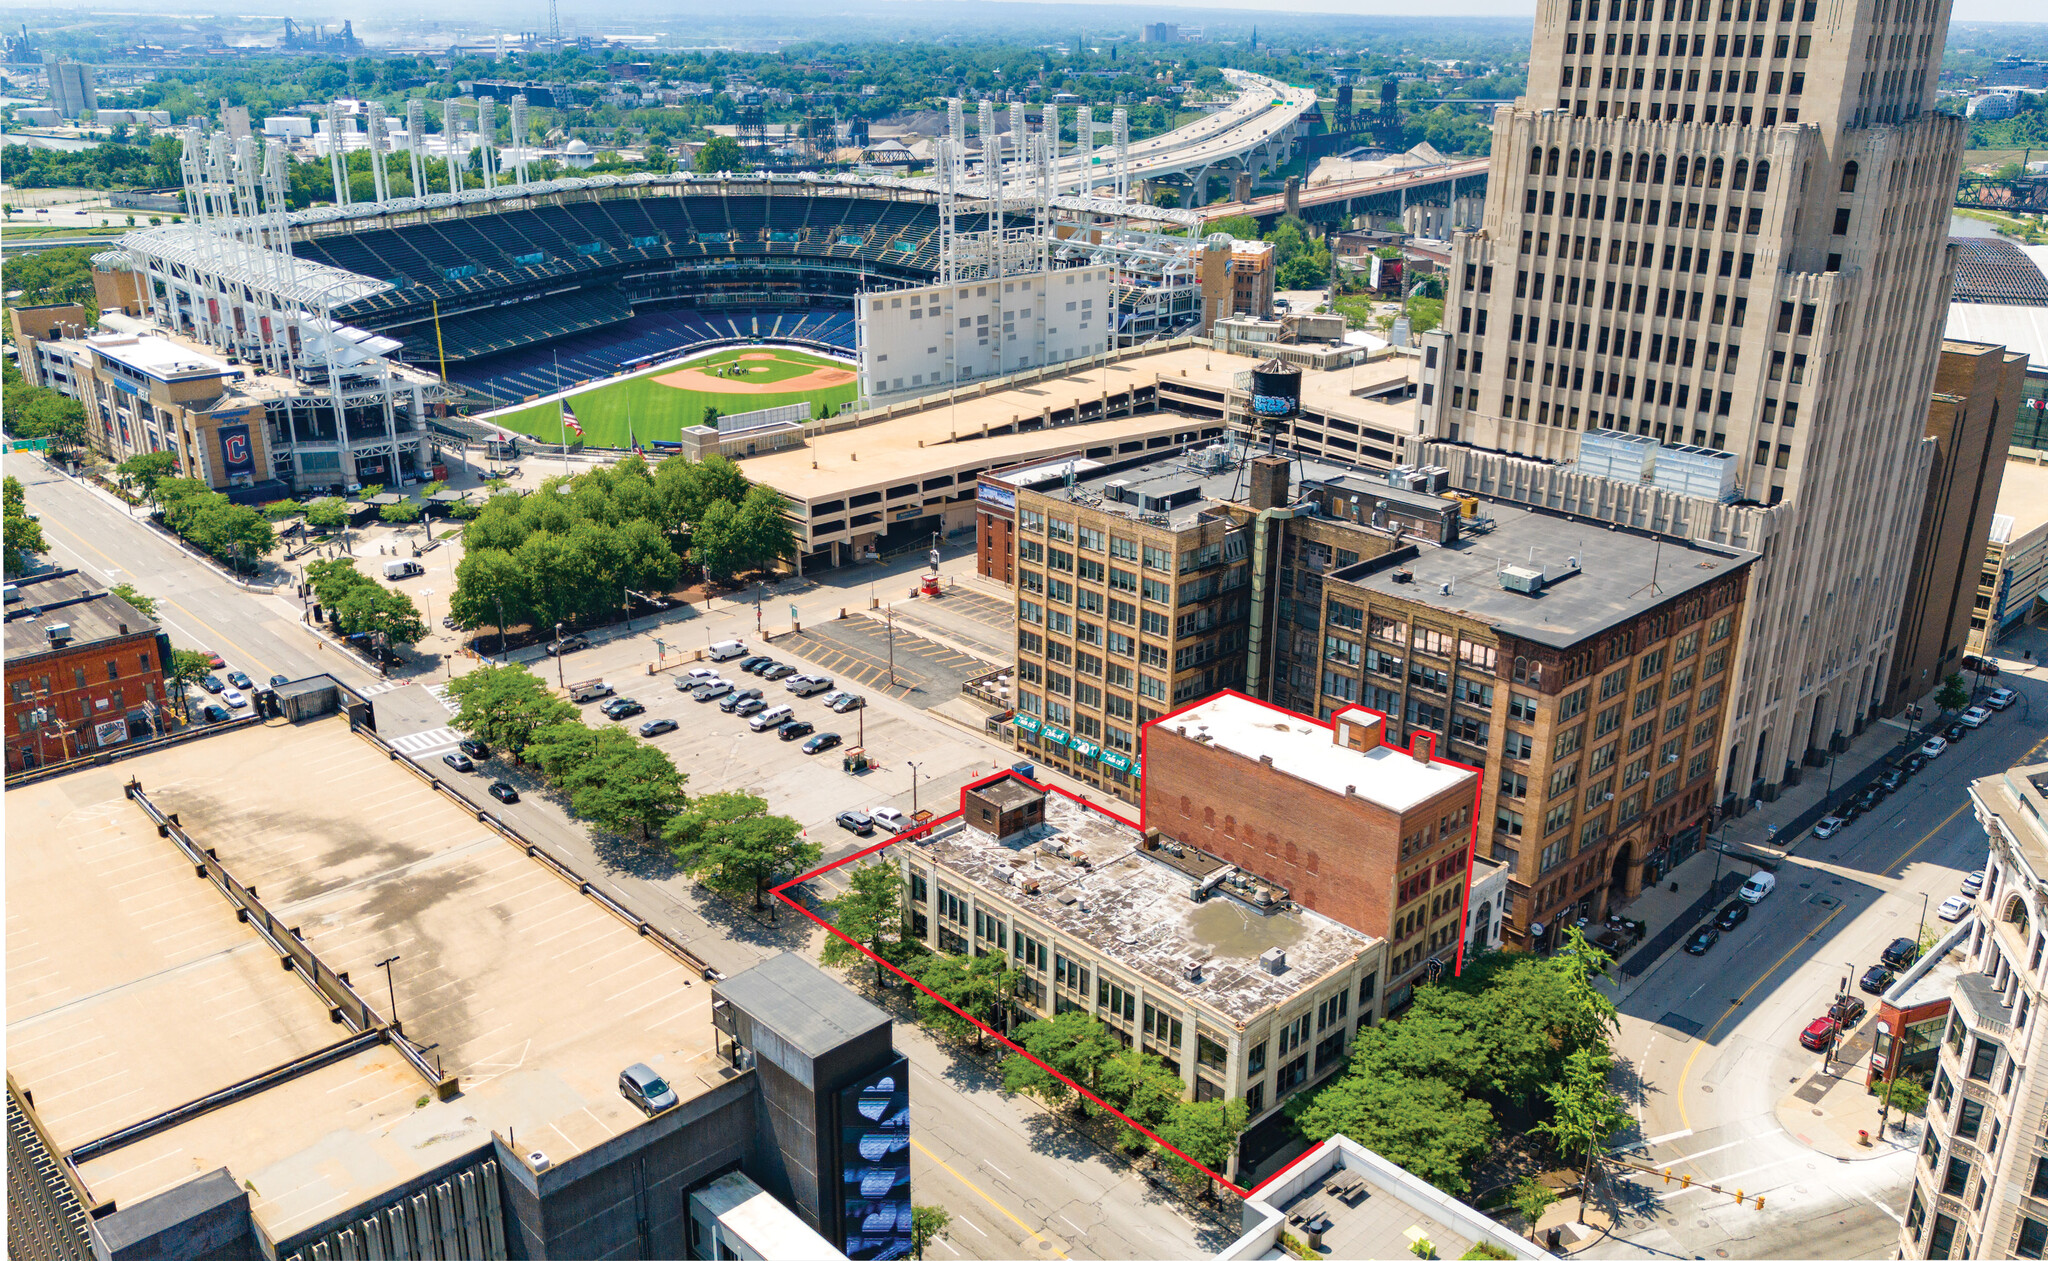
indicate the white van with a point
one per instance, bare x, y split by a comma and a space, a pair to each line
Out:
774, 717
1757, 887
396, 569
727, 649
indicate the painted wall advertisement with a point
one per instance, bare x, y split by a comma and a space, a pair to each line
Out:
874, 1164
237, 455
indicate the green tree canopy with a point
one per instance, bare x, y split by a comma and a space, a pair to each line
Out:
507, 706
720, 153
1074, 1043
326, 514
136, 600
870, 912
147, 469
404, 512
22, 534
630, 787
1206, 1132
375, 609
732, 844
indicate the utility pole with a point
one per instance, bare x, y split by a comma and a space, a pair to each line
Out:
390, 988
890, 615
914, 766
560, 676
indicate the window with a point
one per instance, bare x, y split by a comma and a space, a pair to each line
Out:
1969, 1119
2033, 1238
1983, 1059
1943, 1237
1521, 708
1166, 1028
1957, 1180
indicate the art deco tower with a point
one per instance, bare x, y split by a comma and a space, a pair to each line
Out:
1721, 224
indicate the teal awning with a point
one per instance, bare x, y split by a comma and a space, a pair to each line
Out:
1116, 761
1027, 722
1053, 735
1085, 748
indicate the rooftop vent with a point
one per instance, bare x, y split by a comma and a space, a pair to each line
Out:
1274, 961
539, 1161
1191, 970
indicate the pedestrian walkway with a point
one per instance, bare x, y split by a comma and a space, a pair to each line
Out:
420, 743
1780, 825
1834, 1113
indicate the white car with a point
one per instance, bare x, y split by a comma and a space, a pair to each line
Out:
2001, 698
233, 699
1935, 747
1973, 883
806, 684
1954, 908
711, 689
1827, 827
1973, 717
702, 674
889, 818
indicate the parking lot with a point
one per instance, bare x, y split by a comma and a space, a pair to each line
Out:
974, 619
856, 650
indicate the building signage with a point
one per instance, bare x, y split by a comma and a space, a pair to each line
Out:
1085, 748
107, 733
1027, 722
910, 514
874, 1162
1002, 497
1116, 761
237, 456
1053, 735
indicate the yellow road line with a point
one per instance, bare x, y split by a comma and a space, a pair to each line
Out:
985, 1195
1930, 834
1685, 1122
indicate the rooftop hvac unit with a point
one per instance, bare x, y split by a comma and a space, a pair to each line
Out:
58, 632
1191, 970
1699, 472
1116, 491
1521, 578
1274, 961
1624, 457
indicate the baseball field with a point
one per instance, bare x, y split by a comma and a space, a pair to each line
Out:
659, 405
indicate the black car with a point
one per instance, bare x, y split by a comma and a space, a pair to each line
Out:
623, 707
213, 684
278, 680
737, 699
1849, 809
459, 762
237, 679
657, 726
754, 663
1900, 953
1731, 915
795, 730
1703, 941
504, 791
1877, 980
1892, 779
822, 741
475, 748
777, 670
1872, 797
214, 713
1914, 763
1954, 732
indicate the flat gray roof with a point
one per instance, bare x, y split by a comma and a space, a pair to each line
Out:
805, 1007
66, 597
1595, 576
1179, 476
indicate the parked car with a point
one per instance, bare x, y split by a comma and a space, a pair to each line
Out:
1757, 887
475, 748
856, 822
1849, 810
1703, 941
658, 726
726, 650
1900, 954
750, 706
1953, 908
889, 818
711, 691
1934, 748
563, 647
504, 791
1819, 1035
1915, 763
1954, 732
795, 730
777, 670
1986, 666
770, 719
822, 741
237, 679
755, 662
459, 762
213, 684
1893, 780
596, 689
1828, 826
1871, 798
1974, 717
2001, 698
733, 701
214, 713
808, 684
1876, 980
278, 680
622, 707
692, 677
234, 700
1973, 884
645, 1090
1731, 915
213, 658
848, 702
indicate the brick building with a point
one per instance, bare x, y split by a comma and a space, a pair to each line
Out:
84, 670
1371, 835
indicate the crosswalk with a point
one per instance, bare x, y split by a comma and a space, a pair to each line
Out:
420, 742
378, 689
439, 691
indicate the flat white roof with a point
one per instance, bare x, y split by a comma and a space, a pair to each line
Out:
2020, 328
762, 1222
1306, 749
157, 356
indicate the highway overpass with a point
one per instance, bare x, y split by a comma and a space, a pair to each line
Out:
1442, 183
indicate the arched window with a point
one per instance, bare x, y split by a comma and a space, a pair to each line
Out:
1849, 178
1536, 160
1230, 825
1699, 172
1741, 174
2016, 915
1628, 161
1551, 168
1209, 817
1187, 808
1677, 170
1763, 177
1714, 176
1521, 669
1607, 163
1657, 170
1571, 165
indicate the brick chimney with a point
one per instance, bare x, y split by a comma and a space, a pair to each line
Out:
1421, 746
1269, 482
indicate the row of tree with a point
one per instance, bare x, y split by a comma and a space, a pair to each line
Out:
961, 995
233, 534
571, 550
21, 534
362, 605
727, 841
32, 411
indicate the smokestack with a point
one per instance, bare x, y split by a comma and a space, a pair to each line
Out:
1268, 482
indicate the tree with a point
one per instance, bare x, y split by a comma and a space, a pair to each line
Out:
489, 587
1586, 1111
136, 600
979, 986
375, 609
505, 706
1530, 1198
326, 514
927, 1222
633, 786
186, 668
732, 844
334, 578
1425, 1125
1206, 1133
404, 512
147, 469
1073, 1043
870, 912
23, 534
1954, 694
1143, 1089
1243, 227
761, 533
720, 153
716, 545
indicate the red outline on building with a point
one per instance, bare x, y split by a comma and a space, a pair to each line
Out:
780, 891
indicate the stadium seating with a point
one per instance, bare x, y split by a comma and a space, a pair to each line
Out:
494, 330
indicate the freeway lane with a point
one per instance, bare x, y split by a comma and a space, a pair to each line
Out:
1714, 1039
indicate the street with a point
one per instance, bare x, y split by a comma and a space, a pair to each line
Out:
1017, 1182
1714, 1039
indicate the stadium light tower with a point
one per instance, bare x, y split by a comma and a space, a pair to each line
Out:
555, 22
451, 141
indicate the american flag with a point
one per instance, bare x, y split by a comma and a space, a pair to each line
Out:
569, 419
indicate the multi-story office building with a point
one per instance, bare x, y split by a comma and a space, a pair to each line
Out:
1980, 1187
74, 88
2014, 576
1721, 224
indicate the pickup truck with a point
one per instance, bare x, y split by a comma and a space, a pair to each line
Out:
589, 690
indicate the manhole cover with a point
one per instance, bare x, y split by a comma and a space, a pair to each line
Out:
1825, 899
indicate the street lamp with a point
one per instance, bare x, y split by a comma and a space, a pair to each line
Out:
560, 676
1922, 933
914, 768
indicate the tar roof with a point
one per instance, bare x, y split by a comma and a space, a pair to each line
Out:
1190, 483
1596, 576
1305, 749
1135, 910
806, 1008
66, 598
531, 995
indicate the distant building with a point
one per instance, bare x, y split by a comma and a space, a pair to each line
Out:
33, 326
2012, 588
1994, 270
37, 116
73, 88
1994, 105
85, 671
1159, 33
2018, 328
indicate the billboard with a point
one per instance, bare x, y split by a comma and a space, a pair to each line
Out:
873, 1202
1002, 497
237, 456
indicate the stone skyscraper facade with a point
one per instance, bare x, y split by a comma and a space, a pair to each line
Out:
1720, 225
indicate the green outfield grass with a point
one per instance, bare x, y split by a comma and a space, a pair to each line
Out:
654, 411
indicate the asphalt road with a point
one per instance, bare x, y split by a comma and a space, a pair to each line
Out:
1016, 1183
1714, 1038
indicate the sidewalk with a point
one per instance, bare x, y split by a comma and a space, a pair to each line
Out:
1779, 826
1830, 1109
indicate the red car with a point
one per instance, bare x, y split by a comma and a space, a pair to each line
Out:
1819, 1034
1847, 1011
